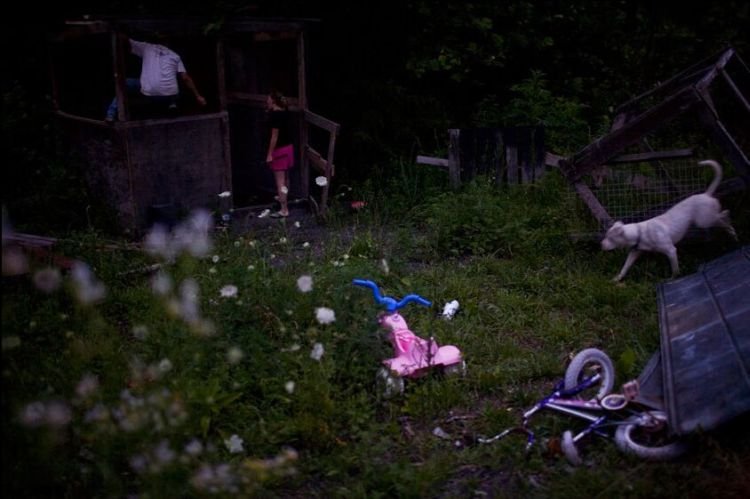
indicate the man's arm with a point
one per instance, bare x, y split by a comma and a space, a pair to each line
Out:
190, 84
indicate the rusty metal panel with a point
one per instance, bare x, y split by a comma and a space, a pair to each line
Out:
177, 162
103, 153
704, 322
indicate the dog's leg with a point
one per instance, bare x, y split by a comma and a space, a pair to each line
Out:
723, 222
672, 255
629, 261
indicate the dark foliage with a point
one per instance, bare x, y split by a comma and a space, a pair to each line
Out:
396, 74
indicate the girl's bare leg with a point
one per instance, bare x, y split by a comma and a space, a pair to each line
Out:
281, 189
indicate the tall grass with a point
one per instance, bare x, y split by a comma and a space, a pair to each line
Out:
220, 374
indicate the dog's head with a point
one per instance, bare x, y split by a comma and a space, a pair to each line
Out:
615, 237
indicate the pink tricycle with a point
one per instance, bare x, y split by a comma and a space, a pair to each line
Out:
413, 356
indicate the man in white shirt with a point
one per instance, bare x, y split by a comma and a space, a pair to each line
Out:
160, 69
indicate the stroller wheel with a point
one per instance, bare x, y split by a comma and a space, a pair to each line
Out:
388, 385
570, 450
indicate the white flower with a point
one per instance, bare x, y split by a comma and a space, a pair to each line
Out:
289, 387
10, 342
47, 280
297, 224
284, 189
33, 414
264, 213
194, 447
282, 240
161, 284
305, 283
450, 309
163, 453
325, 315
234, 444
165, 365
215, 258
139, 463
305, 244
157, 242
87, 386
188, 304
140, 332
88, 288
234, 355
251, 267
225, 194
54, 413
228, 291
321, 181
317, 351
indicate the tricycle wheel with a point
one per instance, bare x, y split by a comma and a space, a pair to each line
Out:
457, 369
388, 384
647, 436
585, 364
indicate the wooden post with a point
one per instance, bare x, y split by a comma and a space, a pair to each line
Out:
594, 205
225, 130
221, 78
304, 136
454, 157
498, 156
118, 63
511, 158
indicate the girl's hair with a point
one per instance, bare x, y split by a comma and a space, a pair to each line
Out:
279, 99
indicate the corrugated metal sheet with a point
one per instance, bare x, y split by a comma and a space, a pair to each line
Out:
704, 322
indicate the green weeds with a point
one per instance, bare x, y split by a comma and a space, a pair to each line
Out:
219, 372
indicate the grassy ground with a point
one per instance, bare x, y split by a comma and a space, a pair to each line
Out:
221, 374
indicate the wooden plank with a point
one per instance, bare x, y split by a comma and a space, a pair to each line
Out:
428, 160
498, 156
736, 90
329, 159
221, 75
258, 100
700, 67
316, 159
454, 157
301, 73
321, 122
511, 158
30, 239
304, 141
118, 61
553, 160
725, 140
272, 36
652, 156
594, 205
600, 151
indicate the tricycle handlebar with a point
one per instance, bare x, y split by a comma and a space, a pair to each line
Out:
390, 304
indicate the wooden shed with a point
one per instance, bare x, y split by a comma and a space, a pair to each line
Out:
150, 162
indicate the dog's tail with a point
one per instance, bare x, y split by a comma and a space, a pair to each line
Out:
717, 178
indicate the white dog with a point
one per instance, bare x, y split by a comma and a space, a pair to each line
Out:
661, 233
